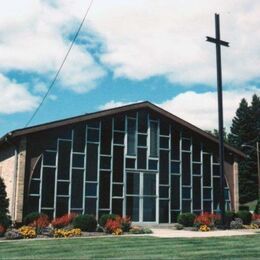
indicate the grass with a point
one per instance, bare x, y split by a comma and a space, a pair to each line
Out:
239, 247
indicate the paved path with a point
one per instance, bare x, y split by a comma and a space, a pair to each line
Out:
170, 233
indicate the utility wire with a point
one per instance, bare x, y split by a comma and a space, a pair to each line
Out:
59, 70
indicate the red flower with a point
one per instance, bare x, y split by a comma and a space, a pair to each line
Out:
255, 216
41, 222
112, 225
206, 218
63, 221
2, 229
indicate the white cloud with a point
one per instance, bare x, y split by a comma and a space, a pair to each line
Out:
113, 103
200, 109
34, 39
146, 38
141, 38
15, 97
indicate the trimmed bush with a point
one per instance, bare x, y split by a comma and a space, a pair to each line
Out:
85, 222
244, 208
186, 219
229, 216
104, 218
245, 215
31, 217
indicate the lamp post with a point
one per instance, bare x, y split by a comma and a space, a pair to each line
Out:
258, 162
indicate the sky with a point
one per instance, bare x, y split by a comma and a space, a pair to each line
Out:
127, 51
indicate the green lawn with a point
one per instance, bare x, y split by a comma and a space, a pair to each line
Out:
247, 247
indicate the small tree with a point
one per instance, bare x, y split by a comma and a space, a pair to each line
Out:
4, 201
5, 219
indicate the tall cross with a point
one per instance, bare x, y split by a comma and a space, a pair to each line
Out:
218, 43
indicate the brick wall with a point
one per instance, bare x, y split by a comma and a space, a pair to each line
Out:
7, 167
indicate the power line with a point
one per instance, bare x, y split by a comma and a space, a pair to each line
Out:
63, 62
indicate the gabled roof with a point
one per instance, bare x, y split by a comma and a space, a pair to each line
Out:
111, 112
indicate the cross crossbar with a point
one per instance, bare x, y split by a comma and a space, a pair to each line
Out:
210, 39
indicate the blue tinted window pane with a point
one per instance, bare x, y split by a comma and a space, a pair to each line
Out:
93, 135
186, 144
175, 167
153, 139
153, 164
131, 137
164, 142
186, 193
91, 189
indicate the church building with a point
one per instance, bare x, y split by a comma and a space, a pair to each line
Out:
136, 160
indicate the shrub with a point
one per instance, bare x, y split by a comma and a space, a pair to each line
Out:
178, 226
139, 230
13, 234
246, 216
242, 207
103, 220
256, 223
41, 222
117, 232
31, 217
27, 232
126, 223
112, 225
228, 217
4, 202
204, 228
186, 219
5, 220
75, 232
2, 230
256, 216
206, 218
63, 221
236, 224
85, 222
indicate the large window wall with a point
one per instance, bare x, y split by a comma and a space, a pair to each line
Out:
136, 164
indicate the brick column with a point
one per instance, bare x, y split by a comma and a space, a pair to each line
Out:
236, 186
20, 181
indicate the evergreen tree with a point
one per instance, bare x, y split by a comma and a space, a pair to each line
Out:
4, 202
245, 130
5, 219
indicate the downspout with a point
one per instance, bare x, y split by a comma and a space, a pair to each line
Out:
14, 175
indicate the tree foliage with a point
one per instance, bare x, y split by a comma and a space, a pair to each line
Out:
245, 130
4, 202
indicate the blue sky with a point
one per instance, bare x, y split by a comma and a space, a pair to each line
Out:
127, 51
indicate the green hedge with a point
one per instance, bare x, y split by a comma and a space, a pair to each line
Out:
104, 218
29, 218
186, 219
85, 222
245, 215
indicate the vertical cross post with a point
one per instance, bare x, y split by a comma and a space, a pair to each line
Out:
218, 43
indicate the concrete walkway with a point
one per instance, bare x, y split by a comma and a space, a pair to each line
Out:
171, 233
